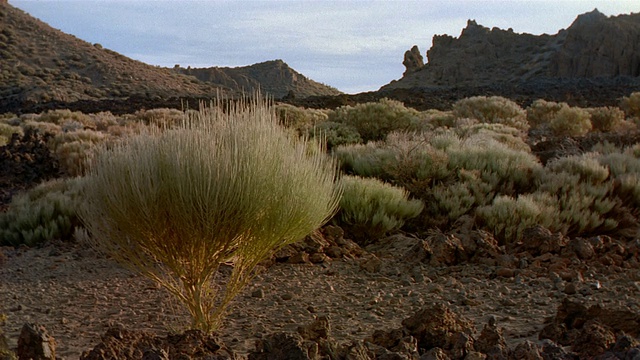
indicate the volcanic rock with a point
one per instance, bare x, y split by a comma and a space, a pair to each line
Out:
35, 343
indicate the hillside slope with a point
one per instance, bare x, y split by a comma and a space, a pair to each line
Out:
40, 64
593, 46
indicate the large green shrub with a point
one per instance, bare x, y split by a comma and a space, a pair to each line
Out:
227, 186
370, 208
571, 121
46, 212
494, 109
374, 120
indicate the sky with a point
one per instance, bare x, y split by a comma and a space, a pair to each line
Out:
352, 45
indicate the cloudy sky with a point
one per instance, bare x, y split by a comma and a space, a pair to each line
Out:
352, 45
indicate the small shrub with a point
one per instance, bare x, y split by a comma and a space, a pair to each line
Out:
42, 127
494, 109
367, 160
542, 112
496, 162
606, 118
7, 131
59, 117
439, 118
44, 213
162, 117
585, 208
370, 208
631, 105
571, 121
374, 120
509, 136
74, 149
508, 217
300, 119
226, 186
335, 134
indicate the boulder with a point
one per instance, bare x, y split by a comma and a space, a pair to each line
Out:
437, 326
35, 343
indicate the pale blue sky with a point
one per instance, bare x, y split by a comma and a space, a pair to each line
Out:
352, 45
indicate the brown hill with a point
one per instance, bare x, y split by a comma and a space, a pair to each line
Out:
273, 77
41, 67
40, 64
593, 46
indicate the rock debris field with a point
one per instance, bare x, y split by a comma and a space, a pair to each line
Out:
403, 298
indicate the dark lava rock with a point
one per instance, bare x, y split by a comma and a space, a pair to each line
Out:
35, 343
437, 326
120, 343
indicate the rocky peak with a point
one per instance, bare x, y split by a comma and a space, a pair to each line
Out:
591, 17
593, 46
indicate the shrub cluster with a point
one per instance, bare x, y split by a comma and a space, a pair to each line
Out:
571, 121
46, 212
370, 208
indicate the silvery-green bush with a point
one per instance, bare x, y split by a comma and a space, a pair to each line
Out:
228, 186
46, 212
370, 208
374, 120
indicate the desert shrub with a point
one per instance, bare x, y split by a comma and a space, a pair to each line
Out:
103, 120
507, 217
507, 135
584, 207
605, 147
621, 163
44, 213
496, 162
438, 118
74, 149
571, 121
300, 119
586, 166
631, 105
374, 120
407, 159
42, 127
542, 112
59, 117
367, 160
370, 208
494, 109
335, 134
226, 186
162, 117
606, 118
7, 131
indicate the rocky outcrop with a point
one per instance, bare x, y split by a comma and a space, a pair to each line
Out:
413, 60
593, 46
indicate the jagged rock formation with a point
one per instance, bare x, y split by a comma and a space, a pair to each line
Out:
275, 78
593, 46
413, 60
